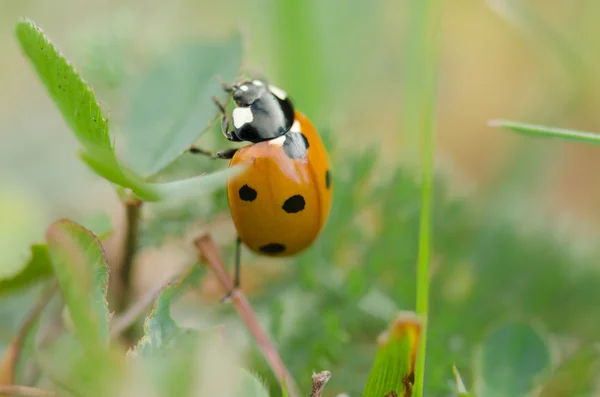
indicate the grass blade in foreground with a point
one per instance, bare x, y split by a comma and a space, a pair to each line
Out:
419, 79
548, 132
82, 273
79, 108
394, 366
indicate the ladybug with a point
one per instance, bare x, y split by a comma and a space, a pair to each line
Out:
280, 202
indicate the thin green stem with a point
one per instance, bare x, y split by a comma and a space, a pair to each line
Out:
423, 35
299, 55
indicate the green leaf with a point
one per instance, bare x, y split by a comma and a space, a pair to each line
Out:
461, 390
78, 106
193, 188
82, 272
83, 371
37, 268
394, 366
159, 328
512, 359
251, 386
576, 376
172, 103
22, 222
168, 352
548, 132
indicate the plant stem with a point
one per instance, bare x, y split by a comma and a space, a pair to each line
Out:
423, 33
132, 214
209, 255
299, 55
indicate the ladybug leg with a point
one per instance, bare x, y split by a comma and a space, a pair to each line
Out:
225, 123
236, 274
226, 154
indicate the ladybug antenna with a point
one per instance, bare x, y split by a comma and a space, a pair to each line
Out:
226, 86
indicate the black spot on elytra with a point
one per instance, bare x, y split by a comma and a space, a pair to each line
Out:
294, 204
295, 145
272, 248
327, 179
247, 193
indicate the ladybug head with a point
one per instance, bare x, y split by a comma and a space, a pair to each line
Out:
246, 93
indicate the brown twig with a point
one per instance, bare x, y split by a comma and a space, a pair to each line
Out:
13, 354
133, 208
25, 391
319, 381
209, 254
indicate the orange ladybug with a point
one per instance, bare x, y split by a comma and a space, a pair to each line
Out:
281, 201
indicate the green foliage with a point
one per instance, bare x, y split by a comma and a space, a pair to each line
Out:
576, 375
548, 132
82, 272
78, 106
37, 268
512, 360
172, 101
159, 328
170, 132
393, 369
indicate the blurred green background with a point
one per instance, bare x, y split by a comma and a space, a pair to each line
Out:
515, 220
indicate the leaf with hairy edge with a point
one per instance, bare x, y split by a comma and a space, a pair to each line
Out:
38, 268
548, 132
82, 272
251, 385
172, 103
167, 351
159, 327
79, 108
392, 373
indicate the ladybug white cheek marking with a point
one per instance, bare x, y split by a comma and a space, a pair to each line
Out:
241, 116
295, 127
277, 141
278, 92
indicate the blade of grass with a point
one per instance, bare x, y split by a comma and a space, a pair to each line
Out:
299, 50
392, 373
423, 33
548, 132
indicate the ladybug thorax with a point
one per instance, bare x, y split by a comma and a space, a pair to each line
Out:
262, 112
